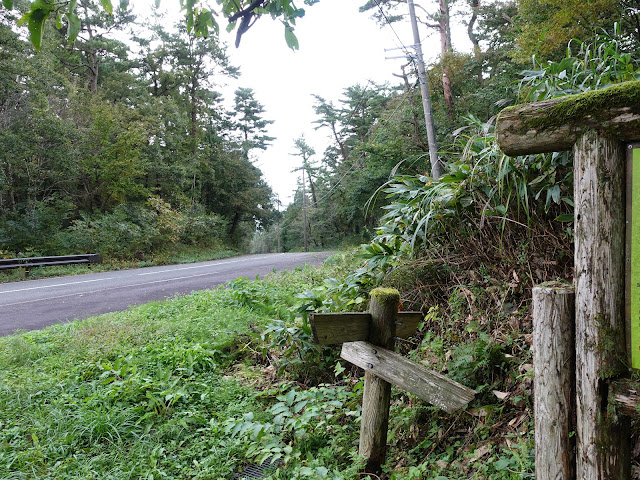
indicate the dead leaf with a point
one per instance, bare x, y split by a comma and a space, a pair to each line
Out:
478, 412
525, 367
501, 395
480, 452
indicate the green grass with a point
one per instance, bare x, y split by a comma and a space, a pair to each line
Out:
152, 392
126, 395
189, 389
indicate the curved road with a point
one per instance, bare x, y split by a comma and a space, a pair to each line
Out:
35, 304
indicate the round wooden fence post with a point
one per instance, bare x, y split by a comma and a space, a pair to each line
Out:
603, 444
383, 308
554, 365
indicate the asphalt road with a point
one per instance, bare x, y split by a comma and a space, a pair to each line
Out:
35, 304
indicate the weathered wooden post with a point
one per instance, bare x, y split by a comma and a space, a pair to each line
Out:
594, 124
376, 399
368, 340
554, 366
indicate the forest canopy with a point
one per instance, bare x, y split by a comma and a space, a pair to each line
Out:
133, 142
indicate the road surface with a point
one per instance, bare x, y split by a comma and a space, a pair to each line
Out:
35, 304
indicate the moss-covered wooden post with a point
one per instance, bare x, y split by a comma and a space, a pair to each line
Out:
603, 436
376, 400
595, 125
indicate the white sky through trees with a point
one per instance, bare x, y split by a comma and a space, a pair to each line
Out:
339, 47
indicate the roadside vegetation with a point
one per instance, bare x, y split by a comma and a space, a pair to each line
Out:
202, 386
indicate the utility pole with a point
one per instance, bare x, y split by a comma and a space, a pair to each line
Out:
278, 230
304, 212
426, 96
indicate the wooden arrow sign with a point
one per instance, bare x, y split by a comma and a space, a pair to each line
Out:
428, 385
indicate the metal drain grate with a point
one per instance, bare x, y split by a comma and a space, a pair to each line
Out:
255, 471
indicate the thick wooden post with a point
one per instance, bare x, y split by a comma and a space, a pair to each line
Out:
383, 308
554, 381
603, 450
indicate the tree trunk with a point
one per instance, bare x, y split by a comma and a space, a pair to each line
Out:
314, 199
554, 364
444, 26
603, 450
473, 38
234, 224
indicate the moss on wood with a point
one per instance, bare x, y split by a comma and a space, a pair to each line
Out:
385, 296
573, 109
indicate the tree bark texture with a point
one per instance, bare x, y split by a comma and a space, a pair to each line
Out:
603, 450
554, 381
383, 308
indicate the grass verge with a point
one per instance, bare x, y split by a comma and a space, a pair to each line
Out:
202, 385
174, 389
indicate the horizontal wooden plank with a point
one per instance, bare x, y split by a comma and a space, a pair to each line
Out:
430, 386
554, 125
407, 325
335, 328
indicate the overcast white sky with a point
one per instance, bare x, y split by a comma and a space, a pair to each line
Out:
339, 47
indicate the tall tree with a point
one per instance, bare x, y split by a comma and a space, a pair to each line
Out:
331, 118
95, 43
305, 152
249, 121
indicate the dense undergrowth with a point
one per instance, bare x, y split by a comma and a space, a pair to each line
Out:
149, 393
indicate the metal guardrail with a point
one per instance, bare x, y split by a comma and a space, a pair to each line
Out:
32, 262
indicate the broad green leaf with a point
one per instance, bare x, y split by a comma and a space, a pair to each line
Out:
72, 6
565, 217
36, 25
59, 20
502, 463
74, 26
291, 39
7, 4
108, 7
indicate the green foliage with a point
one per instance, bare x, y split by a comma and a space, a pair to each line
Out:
93, 143
169, 389
131, 231
198, 20
545, 26
482, 184
301, 421
605, 61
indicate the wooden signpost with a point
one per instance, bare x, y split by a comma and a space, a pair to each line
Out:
368, 340
596, 125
